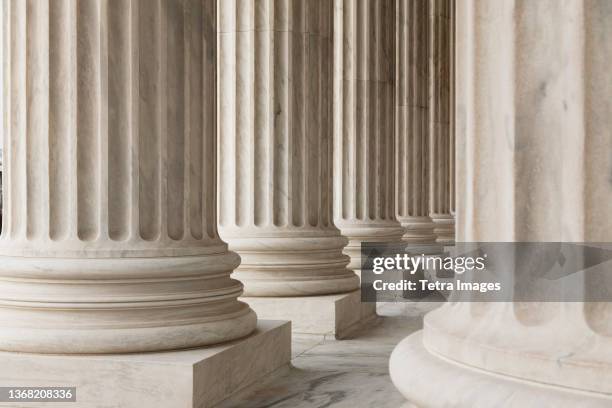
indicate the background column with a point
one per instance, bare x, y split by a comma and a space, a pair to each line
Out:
439, 120
364, 107
275, 146
109, 239
452, 151
412, 122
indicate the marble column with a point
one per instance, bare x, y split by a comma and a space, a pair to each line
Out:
364, 107
439, 120
452, 151
533, 118
412, 122
109, 241
275, 148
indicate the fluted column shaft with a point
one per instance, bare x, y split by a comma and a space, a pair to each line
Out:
109, 239
412, 121
534, 100
364, 181
452, 151
439, 119
275, 146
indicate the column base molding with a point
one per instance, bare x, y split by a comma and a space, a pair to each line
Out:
418, 229
338, 315
444, 228
120, 305
384, 232
200, 377
291, 264
461, 386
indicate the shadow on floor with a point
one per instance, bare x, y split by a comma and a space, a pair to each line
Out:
340, 373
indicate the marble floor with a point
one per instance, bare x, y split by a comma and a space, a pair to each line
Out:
349, 373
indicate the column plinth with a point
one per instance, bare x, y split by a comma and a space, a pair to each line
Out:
109, 241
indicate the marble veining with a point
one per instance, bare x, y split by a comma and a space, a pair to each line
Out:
349, 373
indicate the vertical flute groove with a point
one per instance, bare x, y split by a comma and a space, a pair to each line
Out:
195, 100
150, 121
88, 118
119, 119
173, 94
102, 142
36, 134
134, 123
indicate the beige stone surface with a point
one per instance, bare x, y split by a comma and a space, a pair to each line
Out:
336, 315
199, 377
275, 148
348, 373
458, 386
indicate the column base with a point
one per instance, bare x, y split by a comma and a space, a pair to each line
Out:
444, 228
418, 229
293, 262
358, 232
200, 377
428, 380
339, 315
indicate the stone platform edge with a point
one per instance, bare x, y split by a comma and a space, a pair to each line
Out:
199, 377
339, 315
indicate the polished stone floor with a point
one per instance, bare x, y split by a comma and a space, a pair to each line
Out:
349, 373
